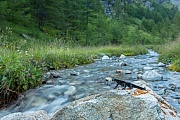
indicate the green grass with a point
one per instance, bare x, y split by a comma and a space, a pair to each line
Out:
23, 62
170, 53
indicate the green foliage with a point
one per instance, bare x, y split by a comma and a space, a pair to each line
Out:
22, 68
83, 22
18, 72
175, 66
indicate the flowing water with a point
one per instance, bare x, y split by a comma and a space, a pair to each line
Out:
90, 79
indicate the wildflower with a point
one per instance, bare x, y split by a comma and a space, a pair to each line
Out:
18, 50
30, 59
28, 74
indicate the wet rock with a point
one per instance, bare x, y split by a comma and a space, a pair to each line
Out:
148, 68
135, 70
152, 75
139, 76
74, 73
86, 71
45, 77
119, 105
62, 81
126, 71
179, 101
49, 81
76, 83
118, 71
105, 57
71, 90
122, 64
160, 92
38, 115
160, 64
51, 97
55, 74
114, 58
172, 86
122, 56
37, 101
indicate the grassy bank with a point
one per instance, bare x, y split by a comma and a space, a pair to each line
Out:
23, 63
170, 53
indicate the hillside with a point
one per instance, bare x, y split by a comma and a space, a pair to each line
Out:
41, 35
84, 22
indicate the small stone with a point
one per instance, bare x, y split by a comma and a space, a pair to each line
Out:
147, 68
135, 71
105, 57
122, 56
71, 90
118, 71
114, 58
160, 64
122, 64
127, 72
74, 74
55, 74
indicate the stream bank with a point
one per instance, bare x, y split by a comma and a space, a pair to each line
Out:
82, 81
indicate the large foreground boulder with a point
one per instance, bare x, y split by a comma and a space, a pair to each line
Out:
132, 104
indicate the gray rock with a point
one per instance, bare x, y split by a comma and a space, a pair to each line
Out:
74, 73
122, 56
122, 64
50, 81
152, 75
55, 74
71, 90
135, 71
113, 58
160, 64
119, 105
105, 57
37, 101
127, 71
47, 75
139, 76
161, 92
38, 115
148, 68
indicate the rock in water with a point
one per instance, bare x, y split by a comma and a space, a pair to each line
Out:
105, 57
152, 75
122, 56
119, 105
71, 90
114, 58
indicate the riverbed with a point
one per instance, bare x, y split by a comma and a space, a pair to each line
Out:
82, 81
